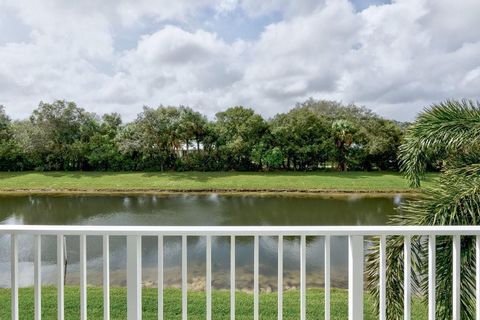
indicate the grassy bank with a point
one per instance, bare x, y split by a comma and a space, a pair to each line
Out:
196, 304
206, 181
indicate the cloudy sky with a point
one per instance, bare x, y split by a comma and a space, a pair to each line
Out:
394, 57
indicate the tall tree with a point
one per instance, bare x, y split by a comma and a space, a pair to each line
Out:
156, 136
10, 155
103, 150
60, 134
343, 133
303, 137
239, 130
192, 127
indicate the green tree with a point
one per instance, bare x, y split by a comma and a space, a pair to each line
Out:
239, 130
343, 133
449, 131
58, 135
303, 137
377, 141
192, 127
155, 137
374, 142
10, 155
103, 150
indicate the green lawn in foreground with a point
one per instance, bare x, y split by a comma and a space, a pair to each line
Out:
196, 304
207, 181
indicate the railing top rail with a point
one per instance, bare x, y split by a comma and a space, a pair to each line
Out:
241, 230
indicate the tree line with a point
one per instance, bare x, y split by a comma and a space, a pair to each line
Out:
314, 135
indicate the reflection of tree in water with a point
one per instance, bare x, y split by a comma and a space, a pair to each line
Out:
197, 210
191, 209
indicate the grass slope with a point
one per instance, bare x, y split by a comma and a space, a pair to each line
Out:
196, 304
206, 181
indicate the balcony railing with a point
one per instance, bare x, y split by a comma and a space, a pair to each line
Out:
356, 236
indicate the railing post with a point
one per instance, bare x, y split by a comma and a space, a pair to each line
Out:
407, 275
37, 275
355, 277
256, 287
106, 278
184, 278
134, 278
60, 276
83, 277
280, 279
432, 284
303, 277
160, 277
14, 276
327, 277
383, 277
456, 278
208, 278
232, 278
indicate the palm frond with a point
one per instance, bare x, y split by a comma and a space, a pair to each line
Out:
455, 200
451, 126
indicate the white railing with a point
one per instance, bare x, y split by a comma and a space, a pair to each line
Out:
134, 264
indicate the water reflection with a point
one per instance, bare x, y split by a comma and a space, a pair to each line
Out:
190, 209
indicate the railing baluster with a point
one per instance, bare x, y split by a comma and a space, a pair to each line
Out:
37, 275
232, 277
431, 277
382, 278
280, 278
184, 279
83, 277
456, 278
256, 306
60, 276
355, 277
327, 277
407, 275
106, 278
160, 277
477, 276
134, 277
208, 284
303, 277
14, 275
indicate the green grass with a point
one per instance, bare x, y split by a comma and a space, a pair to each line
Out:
196, 304
206, 181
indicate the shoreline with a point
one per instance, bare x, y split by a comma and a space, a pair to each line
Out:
233, 192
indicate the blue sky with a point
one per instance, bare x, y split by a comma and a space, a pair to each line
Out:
395, 57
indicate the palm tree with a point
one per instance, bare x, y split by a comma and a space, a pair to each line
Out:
343, 131
449, 132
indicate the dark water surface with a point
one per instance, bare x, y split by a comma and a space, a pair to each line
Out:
190, 209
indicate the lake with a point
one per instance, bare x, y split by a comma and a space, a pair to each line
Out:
190, 209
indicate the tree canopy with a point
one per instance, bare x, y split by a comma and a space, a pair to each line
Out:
313, 135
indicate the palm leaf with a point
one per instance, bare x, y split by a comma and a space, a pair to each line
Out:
454, 201
451, 126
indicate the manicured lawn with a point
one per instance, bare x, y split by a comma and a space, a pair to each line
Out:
207, 181
196, 304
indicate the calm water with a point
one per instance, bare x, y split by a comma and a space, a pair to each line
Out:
211, 209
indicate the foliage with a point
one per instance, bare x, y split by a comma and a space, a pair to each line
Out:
448, 131
239, 131
62, 136
449, 128
303, 137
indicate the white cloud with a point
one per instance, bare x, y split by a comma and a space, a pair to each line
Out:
395, 58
